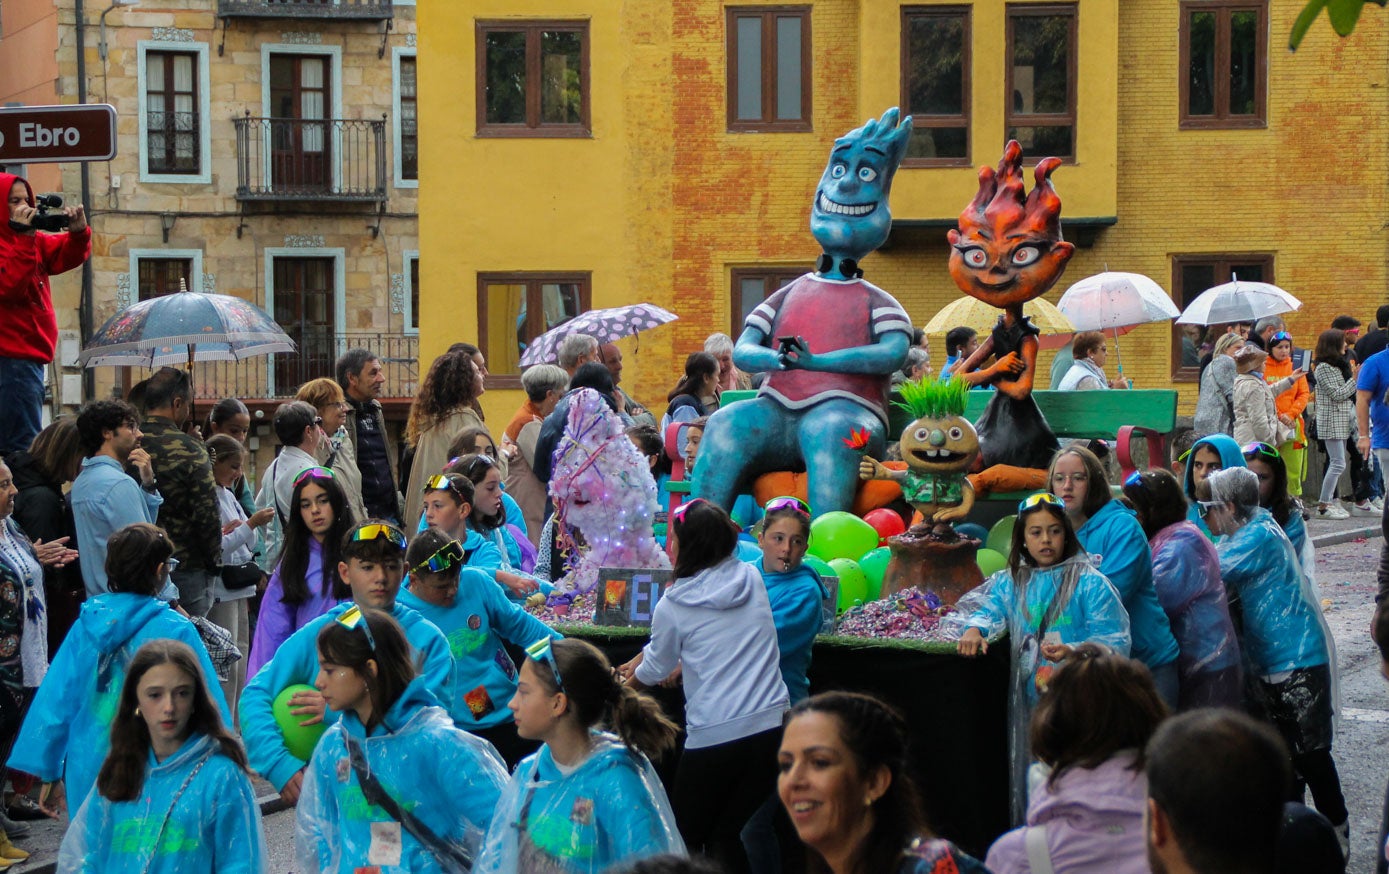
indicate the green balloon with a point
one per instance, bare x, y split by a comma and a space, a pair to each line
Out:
821, 566
841, 535
1001, 535
853, 584
874, 566
299, 739
990, 562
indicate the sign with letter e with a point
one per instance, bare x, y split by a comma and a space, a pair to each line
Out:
49, 134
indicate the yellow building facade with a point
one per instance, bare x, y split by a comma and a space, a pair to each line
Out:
663, 183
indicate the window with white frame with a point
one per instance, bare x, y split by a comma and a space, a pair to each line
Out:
407, 163
174, 110
157, 272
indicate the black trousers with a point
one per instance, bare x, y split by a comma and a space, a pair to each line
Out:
717, 790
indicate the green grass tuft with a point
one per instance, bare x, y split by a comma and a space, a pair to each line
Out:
934, 399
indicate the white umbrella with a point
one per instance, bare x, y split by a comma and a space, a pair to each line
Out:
1111, 301
1238, 301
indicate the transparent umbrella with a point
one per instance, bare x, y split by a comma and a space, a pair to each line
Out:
1116, 303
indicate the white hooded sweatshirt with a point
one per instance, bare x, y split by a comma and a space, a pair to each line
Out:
718, 626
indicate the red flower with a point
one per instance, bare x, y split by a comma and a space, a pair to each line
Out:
857, 439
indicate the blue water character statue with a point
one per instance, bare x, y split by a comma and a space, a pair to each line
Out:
829, 342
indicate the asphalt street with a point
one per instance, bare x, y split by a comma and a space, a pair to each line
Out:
1347, 559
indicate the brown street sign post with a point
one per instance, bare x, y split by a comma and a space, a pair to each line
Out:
50, 134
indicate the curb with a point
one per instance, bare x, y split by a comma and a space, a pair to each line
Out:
268, 804
1331, 538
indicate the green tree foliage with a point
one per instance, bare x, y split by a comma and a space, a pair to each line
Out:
1343, 14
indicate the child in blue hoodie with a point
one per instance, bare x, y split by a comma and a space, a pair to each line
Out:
67, 730
794, 589
715, 624
1049, 599
476, 618
588, 801
174, 795
393, 786
1207, 455
373, 562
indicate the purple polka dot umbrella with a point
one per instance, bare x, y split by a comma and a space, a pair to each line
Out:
605, 326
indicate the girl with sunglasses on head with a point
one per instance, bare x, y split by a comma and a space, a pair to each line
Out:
715, 625
474, 614
493, 511
1049, 599
1186, 573
305, 583
1268, 463
589, 800
794, 589
448, 505
429, 788
478, 441
1290, 403
174, 795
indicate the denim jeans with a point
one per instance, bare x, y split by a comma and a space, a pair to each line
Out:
21, 400
194, 591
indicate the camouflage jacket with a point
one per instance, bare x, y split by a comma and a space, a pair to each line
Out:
189, 512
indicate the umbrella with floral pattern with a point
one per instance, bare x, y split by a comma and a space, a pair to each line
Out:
605, 326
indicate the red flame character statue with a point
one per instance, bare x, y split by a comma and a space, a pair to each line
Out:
1008, 250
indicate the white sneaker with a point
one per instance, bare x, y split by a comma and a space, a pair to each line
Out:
1332, 511
1379, 504
1365, 508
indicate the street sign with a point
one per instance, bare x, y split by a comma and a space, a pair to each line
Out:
49, 134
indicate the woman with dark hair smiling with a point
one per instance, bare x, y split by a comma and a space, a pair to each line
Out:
174, 795
1186, 573
844, 781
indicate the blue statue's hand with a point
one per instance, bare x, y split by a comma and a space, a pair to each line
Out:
800, 358
751, 356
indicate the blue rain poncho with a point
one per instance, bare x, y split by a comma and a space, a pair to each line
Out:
196, 813
67, 730
610, 810
1186, 570
446, 777
475, 626
1283, 628
296, 661
1118, 548
1069, 602
798, 598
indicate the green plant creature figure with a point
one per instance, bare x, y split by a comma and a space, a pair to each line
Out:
939, 448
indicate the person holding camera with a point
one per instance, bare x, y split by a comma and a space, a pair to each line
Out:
29, 254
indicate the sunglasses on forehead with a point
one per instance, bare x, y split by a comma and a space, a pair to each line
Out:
442, 482
1263, 449
678, 514
1039, 498
377, 530
788, 502
1134, 480
449, 554
1204, 507
352, 618
1281, 337
542, 652
313, 473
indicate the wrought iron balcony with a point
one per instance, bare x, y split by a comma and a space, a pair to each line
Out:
279, 376
324, 159
318, 10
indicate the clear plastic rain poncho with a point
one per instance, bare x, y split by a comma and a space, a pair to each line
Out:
1273, 603
1069, 602
449, 779
1186, 573
611, 810
196, 813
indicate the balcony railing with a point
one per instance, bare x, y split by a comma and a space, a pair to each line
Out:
320, 10
279, 376
326, 159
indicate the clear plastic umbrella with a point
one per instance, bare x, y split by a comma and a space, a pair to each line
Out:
1116, 302
1238, 301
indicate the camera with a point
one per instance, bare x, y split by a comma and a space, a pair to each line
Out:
44, 220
